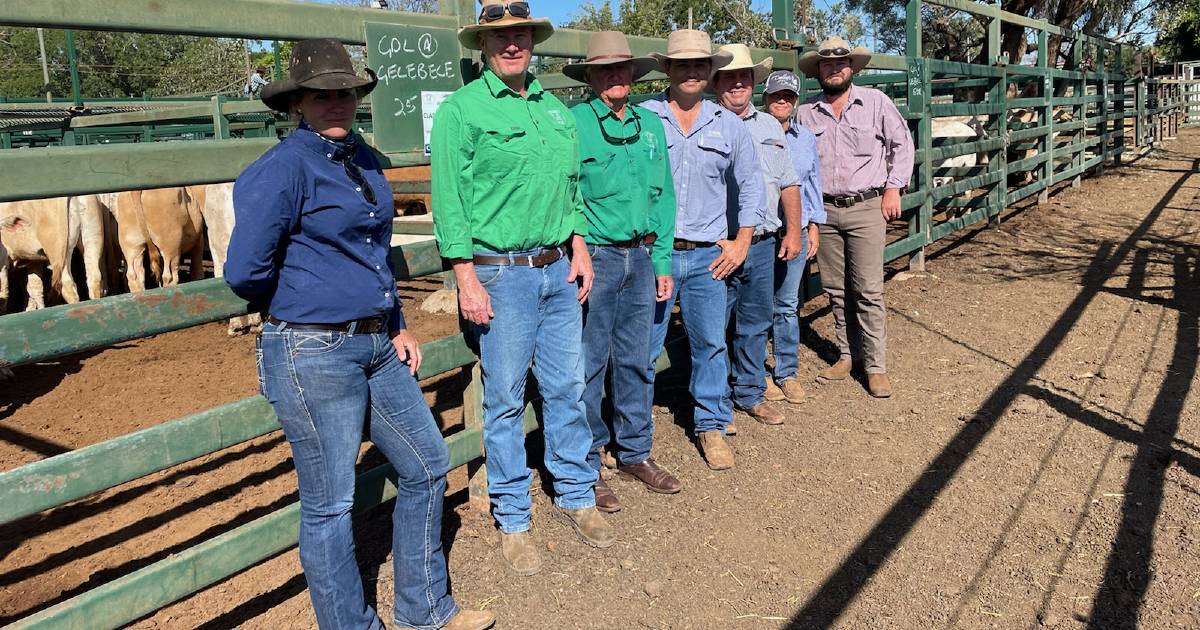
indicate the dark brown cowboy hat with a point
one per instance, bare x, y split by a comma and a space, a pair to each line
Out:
317, 64
607, 48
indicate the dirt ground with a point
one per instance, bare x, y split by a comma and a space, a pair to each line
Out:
1038, 466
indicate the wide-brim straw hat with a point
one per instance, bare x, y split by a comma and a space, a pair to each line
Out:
689, 43
741, 60
468, 36
317, 64
833, 48
606, 48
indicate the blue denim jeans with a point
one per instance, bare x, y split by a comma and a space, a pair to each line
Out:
702, 306
785, 327
616, 333
749, 313
537, 321
325, 388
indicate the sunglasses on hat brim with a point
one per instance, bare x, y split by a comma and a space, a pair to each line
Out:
840, 51
493, 12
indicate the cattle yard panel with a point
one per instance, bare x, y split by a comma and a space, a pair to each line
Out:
915, 82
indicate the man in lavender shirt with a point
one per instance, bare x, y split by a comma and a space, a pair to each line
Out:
866, 156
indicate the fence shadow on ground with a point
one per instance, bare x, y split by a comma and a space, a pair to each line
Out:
1132, 548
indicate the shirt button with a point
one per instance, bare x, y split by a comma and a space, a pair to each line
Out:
358, 188
372, 214
368, 240
329, 155
376, 267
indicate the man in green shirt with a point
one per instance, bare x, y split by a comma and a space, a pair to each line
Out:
507, 214
629, 203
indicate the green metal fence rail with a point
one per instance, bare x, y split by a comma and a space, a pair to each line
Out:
1081, 119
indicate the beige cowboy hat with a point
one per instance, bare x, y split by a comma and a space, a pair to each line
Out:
689, 43
833, 48
606, 48
741, 60
494, 14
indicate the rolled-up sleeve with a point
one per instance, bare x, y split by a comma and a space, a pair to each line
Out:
266, 206
747, 172
899, 144
450, 163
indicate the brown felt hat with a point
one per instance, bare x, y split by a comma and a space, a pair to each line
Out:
317, 64
607, 48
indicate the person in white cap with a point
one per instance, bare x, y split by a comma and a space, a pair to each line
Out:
780, 95
709, 146
866, 161
751, 286
508, 215
629, 202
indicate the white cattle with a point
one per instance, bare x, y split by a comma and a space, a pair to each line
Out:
56, 228
166, 224
7, 224
944, 128
216, 203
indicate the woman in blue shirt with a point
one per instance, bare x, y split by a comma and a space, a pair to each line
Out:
311, 247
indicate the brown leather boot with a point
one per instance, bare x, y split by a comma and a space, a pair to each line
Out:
656, 478
793, 391
471, 620
520, 553
590, 525
773, 393
879, 386
716, 452
838, 371
606, 499
765, 413
731, 428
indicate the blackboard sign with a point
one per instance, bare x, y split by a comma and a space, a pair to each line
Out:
418, 67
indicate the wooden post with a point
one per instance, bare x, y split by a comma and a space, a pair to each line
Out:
477, 492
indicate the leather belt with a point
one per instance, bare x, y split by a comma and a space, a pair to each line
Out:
540, 259
765, 235
365, 325
684, 244
845, 201
637, 241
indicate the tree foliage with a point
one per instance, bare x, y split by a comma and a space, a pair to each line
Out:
1179, 34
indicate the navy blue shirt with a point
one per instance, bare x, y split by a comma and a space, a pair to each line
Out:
306, 244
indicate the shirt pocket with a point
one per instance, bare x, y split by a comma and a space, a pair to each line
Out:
600, 180
500, 151
774, 157
715, 151
824, 142
864, 141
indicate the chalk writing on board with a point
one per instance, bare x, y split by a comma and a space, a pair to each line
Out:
409, 59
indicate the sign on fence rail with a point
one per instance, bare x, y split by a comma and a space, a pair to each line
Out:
418, 67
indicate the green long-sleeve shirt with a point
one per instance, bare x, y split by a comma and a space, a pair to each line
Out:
625, 178
505, 170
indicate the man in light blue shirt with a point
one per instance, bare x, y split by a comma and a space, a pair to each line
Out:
779, 99
708, 147
751, 287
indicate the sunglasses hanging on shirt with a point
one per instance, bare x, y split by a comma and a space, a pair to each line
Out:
360, 180
611, 139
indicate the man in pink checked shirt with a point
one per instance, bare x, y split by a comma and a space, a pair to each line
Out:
866, 154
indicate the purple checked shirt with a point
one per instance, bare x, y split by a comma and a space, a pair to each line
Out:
856, 151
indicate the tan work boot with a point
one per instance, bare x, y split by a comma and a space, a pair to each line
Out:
838, 371
520, 554
471, 620
773, 393
879, 386
716, 452
591, 526
731, 428
793, 391
765, 413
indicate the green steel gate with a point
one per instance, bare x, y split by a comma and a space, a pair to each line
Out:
1099, 100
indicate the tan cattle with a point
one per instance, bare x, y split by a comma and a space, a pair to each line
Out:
166, 224
56, 228
216, 203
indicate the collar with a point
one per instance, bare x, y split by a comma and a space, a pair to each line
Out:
709, 111
498, 87
823, 100
334, 150
603, 111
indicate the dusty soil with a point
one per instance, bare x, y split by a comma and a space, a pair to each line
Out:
1037, 467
